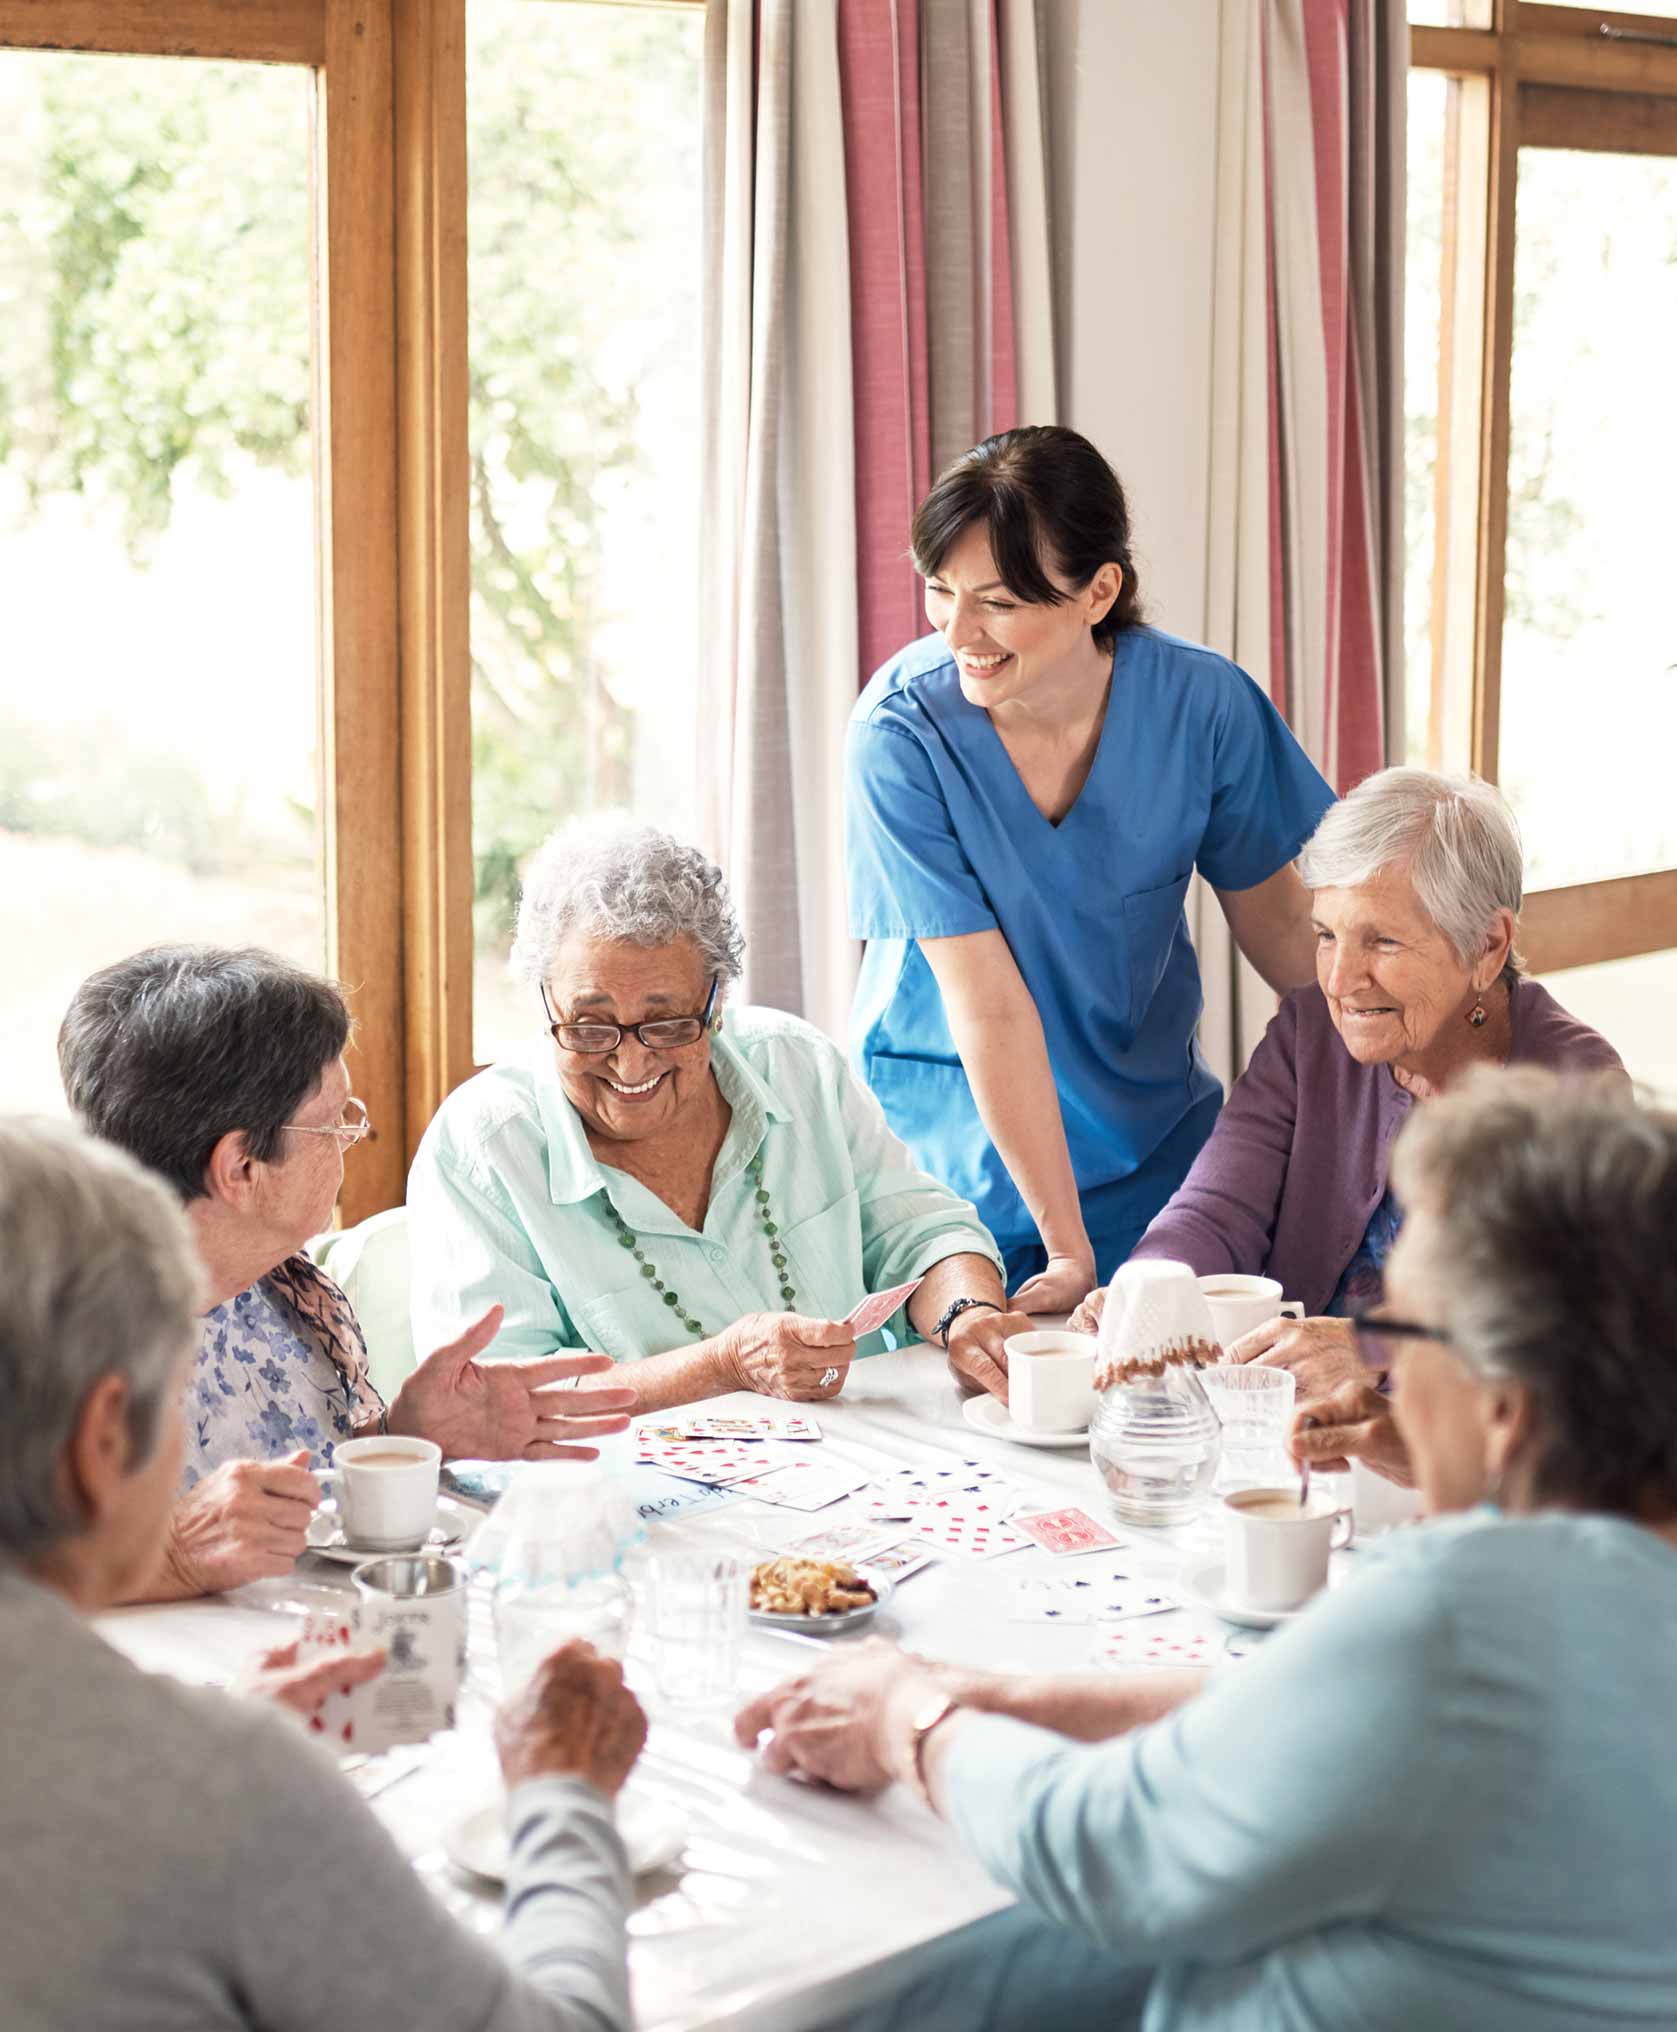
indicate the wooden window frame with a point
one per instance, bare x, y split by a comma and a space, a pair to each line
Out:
1536, 72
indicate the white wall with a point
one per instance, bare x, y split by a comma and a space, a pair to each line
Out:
1131, 90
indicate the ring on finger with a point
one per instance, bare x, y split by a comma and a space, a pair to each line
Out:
828, 1378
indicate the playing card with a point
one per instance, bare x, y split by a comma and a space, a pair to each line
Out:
872, 1313
801, 1484
897, 1562
971, 1530
707, 1460
751, 1425
1169, 1650
853, 1540
905, 1490
1096, 1599
1066, 1531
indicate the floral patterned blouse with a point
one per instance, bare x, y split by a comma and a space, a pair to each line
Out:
280, 1366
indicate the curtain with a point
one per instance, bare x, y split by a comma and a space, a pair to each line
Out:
1305, 544
876, 299
778, 535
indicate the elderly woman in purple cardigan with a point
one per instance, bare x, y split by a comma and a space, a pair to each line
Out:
1416, 884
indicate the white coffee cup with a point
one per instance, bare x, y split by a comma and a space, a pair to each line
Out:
1050, 1380
1276, 1552
386, 1490
1239, 1303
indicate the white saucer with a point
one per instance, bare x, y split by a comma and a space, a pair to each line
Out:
1203, 1585
448, 1532
990, 1415
654, 1832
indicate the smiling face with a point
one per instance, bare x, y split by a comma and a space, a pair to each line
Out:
1003, 645
1391, 978
633, 1091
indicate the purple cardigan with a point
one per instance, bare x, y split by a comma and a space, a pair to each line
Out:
1297, 1162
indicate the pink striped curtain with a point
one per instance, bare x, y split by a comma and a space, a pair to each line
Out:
1305, 556
941, 101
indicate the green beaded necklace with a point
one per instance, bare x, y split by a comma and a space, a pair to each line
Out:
777, 1255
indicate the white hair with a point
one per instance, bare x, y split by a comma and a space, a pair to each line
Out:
627, 882
98, 1276
1453, 836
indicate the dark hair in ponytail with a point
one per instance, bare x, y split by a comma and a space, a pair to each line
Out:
1044, 496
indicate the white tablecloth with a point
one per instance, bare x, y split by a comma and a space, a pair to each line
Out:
790, 1904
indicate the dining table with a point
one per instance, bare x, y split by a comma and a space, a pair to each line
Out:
789, 1904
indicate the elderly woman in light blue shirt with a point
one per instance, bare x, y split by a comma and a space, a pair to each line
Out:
1446, 1796
701, 1193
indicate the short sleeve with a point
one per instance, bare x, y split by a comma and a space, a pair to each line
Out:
909, 875
1267, 796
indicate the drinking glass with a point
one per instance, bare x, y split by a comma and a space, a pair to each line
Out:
1255, 1405
693, 1608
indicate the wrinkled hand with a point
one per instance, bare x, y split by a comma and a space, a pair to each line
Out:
1353, 1422
246, 1521
1057, 1288
977, 1356
835, 1723
302, 1688
1087, 1317
782, 1354
574, 1719
507, 1410
1321, 1353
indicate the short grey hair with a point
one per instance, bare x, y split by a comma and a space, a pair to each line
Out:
631, 883
1552, 1201
1454, 835
98, 1275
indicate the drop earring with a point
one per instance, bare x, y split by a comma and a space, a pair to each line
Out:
1479, 1015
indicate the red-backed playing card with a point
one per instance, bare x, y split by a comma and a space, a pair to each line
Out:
1067, 1530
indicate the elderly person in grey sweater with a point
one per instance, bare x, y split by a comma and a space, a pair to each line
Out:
174, 1857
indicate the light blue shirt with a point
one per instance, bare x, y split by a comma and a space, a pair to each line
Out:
1446, 1797
1194, 768
508, 1204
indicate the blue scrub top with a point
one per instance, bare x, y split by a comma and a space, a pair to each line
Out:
1194, 768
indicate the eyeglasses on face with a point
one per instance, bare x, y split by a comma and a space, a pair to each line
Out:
349, 1131
1379, 1340
594, 1040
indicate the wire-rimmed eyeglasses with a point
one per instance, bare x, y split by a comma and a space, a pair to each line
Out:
666, 1033
1379, 1339
349, 1131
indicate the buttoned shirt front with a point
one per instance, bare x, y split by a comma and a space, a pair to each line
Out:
509, 1205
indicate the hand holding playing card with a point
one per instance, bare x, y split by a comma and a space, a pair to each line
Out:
872, 1313
782, 1354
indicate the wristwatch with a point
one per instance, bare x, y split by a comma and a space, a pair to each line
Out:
935, 1708
951, 1313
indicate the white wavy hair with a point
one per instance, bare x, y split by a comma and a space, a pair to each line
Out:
617, 880
1454, 836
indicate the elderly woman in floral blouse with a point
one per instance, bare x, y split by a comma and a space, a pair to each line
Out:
223, 1072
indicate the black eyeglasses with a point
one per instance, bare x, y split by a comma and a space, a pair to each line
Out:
1378, 1338
594, 1040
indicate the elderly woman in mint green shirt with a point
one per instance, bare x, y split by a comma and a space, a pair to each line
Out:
1445, 1796
699, 1192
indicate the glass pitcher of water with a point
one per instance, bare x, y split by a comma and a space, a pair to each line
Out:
1154, 1439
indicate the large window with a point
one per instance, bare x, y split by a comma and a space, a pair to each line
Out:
158, 694
583, 272
1541, 421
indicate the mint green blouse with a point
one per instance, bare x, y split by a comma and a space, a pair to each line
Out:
507, 1204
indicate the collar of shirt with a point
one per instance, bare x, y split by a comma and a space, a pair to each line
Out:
574, 1173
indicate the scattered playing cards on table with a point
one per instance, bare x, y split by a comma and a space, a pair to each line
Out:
1127, 1650
1066, 1530
897, 1562
744, 1425
802, 1484
872, 1313
1095, 1598
969, 1529
963, 1483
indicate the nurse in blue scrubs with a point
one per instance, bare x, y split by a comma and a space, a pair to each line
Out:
1028, 791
